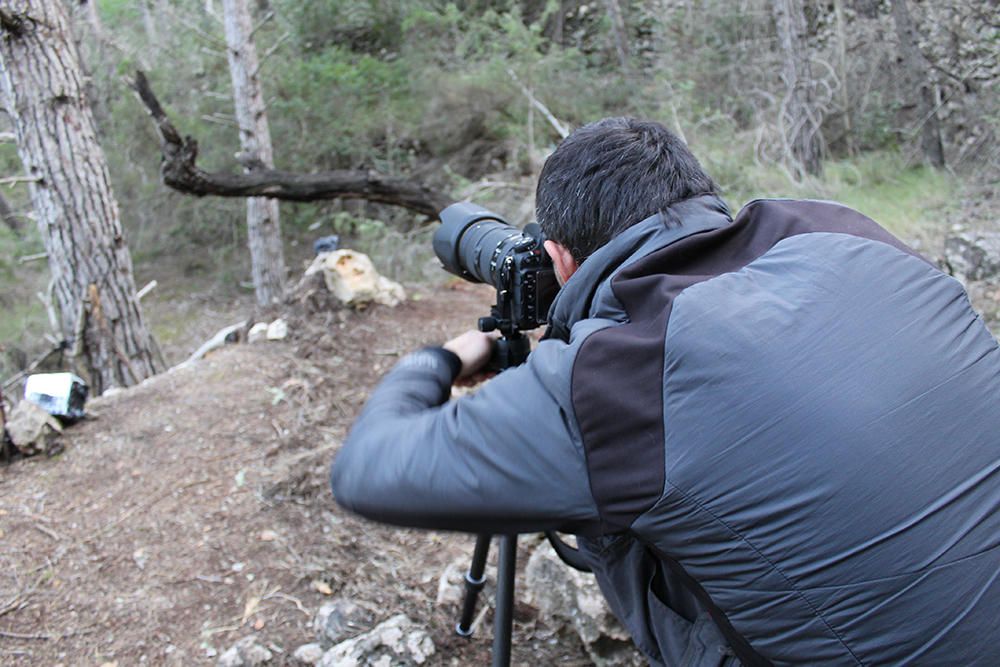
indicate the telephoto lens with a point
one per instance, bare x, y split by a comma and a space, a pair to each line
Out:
472, 242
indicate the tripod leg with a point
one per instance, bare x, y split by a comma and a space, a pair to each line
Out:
475, 579
504, 612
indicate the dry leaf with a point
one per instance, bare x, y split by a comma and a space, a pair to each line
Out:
322, 587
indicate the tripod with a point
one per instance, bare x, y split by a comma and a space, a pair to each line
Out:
512, 350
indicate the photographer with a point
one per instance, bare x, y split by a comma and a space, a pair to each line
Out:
776, 437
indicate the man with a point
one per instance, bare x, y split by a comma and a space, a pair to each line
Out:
776, 436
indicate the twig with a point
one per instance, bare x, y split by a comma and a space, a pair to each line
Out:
51, 533
24, 259
7, 137
18, 635
147, 288
12, 180
559, 127
270, 52
293, 600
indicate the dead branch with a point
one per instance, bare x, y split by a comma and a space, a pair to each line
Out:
179, 171
560, 129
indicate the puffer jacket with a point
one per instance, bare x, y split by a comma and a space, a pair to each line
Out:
777, 438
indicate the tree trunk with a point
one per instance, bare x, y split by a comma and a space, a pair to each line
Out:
800, 120
618, 33
71, 193
267, 257
915, 66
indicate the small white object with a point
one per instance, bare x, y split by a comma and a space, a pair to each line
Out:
257, 333
59, 394
277, 330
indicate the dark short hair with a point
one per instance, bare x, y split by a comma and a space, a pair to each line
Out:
608, 175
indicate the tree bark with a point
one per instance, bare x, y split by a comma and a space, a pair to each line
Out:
267, 258
180, 172
799, 118
618, 34
70, 190
916, 68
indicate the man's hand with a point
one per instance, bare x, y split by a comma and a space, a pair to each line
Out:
474, 348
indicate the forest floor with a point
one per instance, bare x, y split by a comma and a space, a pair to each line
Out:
193, 510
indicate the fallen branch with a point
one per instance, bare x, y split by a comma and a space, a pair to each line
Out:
561, 129
180, 172
224, 336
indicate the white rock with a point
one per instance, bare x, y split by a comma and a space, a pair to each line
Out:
398, 641
340, 619
308, 654
245, 653
277, 330
353, 280
257, 333
571, 599
32, 429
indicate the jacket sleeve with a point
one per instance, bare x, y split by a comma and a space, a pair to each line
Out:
502, 460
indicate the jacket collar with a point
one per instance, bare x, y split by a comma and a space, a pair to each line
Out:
591, 284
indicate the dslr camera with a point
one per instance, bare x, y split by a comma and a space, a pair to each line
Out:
480, 246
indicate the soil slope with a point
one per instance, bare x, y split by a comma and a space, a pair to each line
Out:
193, 510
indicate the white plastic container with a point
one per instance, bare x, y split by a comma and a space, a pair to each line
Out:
59, 394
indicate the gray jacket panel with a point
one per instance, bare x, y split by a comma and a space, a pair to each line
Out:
862, 509
504, 459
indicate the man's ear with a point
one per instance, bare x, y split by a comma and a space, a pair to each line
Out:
563, 260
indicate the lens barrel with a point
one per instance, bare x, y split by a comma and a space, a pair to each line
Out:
472, 242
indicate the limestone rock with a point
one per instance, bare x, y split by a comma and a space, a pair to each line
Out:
340, 619
247, 652
973, 256
572, 600
395, 642
257, 333
32, 429
277, 330
307, 654
352, 278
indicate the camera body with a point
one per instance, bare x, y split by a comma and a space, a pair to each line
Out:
480, 246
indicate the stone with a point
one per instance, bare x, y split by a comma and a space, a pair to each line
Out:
568, 599
307, 654
32, 429
277, 330
973, 255
247, 652
257, 333
451, 583
351, 277
395, 642
340, 619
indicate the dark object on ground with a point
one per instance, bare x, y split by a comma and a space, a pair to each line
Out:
326, 244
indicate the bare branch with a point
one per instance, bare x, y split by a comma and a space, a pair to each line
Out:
561, 129
11, 180
180, 172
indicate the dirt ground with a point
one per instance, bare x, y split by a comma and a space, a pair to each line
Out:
193, 511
